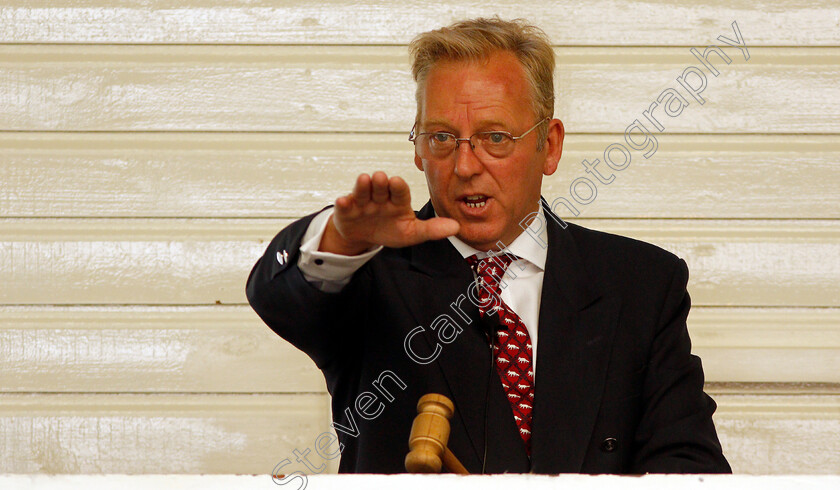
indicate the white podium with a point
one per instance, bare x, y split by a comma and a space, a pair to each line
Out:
417, 482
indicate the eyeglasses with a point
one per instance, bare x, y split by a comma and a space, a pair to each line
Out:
486, 144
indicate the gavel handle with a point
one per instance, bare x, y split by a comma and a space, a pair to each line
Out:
451, 463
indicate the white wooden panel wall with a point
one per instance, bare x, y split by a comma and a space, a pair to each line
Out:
148, 151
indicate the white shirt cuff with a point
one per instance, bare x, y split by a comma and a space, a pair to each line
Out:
326, 271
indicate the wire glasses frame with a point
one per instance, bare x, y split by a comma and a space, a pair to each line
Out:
440, 144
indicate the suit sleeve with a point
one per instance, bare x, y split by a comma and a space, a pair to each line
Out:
324, 325
676, 433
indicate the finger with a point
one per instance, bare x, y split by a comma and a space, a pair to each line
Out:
436, 229
345, 209
400, 193
361, 192
379, 194
344, 203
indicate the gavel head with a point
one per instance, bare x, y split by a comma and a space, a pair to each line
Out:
429, 434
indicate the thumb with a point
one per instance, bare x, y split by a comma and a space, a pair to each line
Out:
437, 228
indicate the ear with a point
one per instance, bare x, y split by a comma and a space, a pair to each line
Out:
418, 162
553, 146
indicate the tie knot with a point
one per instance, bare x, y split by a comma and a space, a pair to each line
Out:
491, 268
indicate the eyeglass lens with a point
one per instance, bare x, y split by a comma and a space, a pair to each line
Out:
441, 145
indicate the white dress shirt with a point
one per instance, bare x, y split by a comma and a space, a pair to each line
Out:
522, 282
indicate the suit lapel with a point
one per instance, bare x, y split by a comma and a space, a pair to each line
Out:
576, 329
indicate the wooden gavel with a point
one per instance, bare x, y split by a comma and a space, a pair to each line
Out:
429, 436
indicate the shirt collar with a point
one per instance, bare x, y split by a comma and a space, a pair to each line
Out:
526, 246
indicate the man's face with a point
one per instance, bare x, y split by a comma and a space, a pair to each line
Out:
464, 98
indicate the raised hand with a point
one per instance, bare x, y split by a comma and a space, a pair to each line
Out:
378, 212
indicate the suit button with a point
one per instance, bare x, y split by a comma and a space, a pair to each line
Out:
609, 445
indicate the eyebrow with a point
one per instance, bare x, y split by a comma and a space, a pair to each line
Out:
482, 124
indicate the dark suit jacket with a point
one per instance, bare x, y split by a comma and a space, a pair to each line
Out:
617, 389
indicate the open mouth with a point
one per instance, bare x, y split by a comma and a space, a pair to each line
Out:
476, 201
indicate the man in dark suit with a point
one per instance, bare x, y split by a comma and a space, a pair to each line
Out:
563, 349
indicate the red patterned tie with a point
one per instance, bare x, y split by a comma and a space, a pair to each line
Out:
512, 346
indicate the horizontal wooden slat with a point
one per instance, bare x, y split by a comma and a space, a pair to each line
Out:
780, 434
768, 433
156, 433
284, 175
599, 22
733, 262
224, 349
341, 88
145, 349
767, 345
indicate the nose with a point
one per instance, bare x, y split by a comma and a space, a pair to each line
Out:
466, 162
